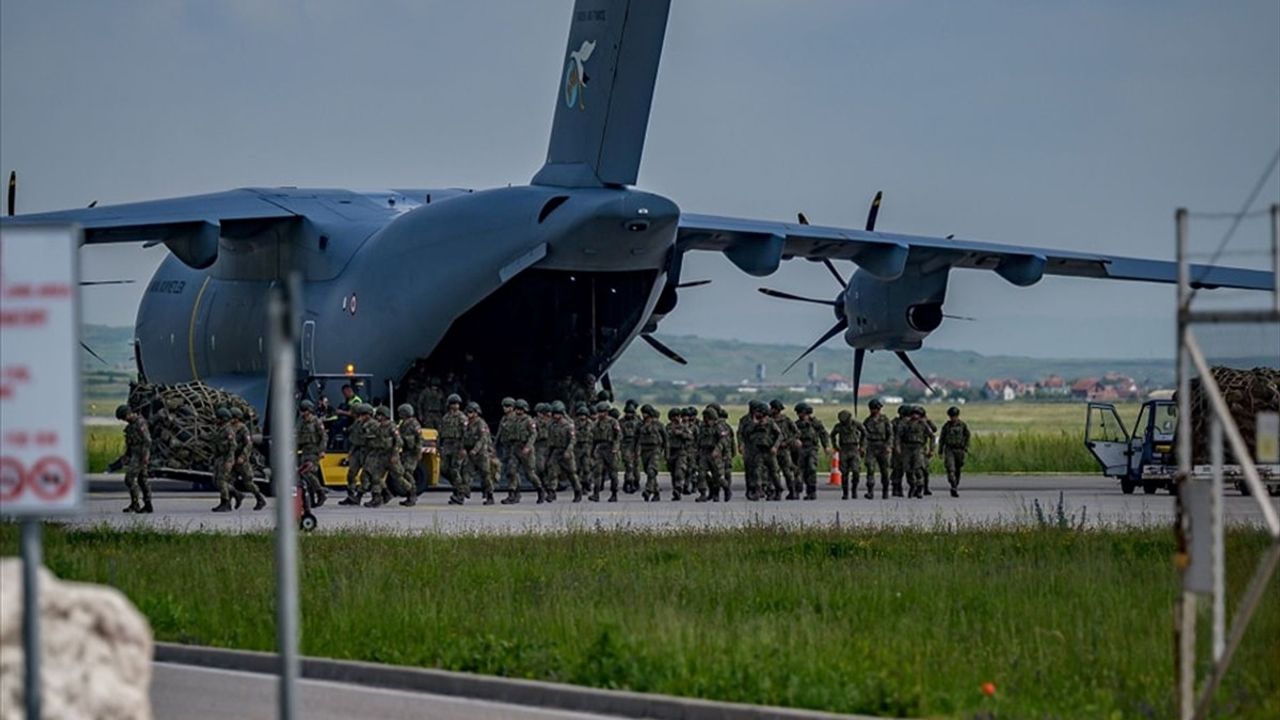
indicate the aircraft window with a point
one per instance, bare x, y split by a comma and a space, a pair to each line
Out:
1166, 420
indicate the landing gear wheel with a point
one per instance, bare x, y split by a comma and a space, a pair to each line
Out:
307, 522
1150, 488
1127, 486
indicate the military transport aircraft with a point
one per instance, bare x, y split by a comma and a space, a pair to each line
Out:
513, 289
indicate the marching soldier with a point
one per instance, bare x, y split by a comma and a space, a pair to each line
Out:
677, 440
430, 399
928, 447
727, 452
518, 460
223, 444
312, 439
382, 444
847, 437
811, 434
242, 470
748, 458
710, 449
790, 443
896, 468
606, 437
357, 434
542, 419
630, 424
879, 434
561, 438
765, 439
477, 453
692, 427
955, 445
411, 453
450, 446
651, 439
913, 435
136, 458
584, 428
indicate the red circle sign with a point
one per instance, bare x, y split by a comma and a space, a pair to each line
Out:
51, 478
10, 478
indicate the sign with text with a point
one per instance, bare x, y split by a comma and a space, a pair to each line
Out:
41, 450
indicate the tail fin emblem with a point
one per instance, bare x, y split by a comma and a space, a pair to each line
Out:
575, 75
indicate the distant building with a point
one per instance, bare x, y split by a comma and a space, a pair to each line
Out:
1000, 389
1052, 386
1092, 389
834, 383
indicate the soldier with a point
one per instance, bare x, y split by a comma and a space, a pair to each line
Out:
584, 428
542, 420
692, 427
677, 439
561, 438
223, 445
651, 439
748, 461
928, 447
710, 456
630, 424
606, 437
382, 443
811, 433
955, 444
896, 469
518, 459
477, 453
242, 470
430, 400
879, 434
452, 425
411, 453
357, 434
790, 443
311, 439
765, 438
847, 437
727, 452
913, 435
137, 455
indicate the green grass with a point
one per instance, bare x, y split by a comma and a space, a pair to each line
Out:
103, 444
1066, 624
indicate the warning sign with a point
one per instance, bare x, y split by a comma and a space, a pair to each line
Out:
41, 450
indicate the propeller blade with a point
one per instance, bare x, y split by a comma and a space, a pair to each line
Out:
693, 283
906, 360
834, 272
91, 352
803, 220
13, 190
858, 356
958, 317
663, 349
93, 204
835, 330
105, 282
874, 211
788, 296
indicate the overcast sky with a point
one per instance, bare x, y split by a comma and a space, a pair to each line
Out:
1078, 126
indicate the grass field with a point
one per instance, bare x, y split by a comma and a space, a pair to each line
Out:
1065, 624
103, 444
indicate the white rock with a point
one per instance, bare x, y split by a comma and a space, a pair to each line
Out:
97, 650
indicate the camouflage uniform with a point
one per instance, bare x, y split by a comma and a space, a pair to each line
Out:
561, 438
356, 435
383, 449
710, 452
311, 439
954, 441
879, 433
928, 449
678, 440
452, 426
811, 434
477, 452
727, 452
137, 456
847, 438
913, 436
896, 468
242, 470
786, 453
606, 437
651, 438
765, 440
516, 442
748, 457
410, 432
223, 444
541, 421
630, 424
583, 428
430, 400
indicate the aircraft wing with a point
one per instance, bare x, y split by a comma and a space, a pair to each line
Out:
758, 246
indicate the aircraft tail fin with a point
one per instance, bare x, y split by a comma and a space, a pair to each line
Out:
606, 87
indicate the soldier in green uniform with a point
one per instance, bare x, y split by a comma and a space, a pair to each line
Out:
430, 400
136, 458
542, 419
651, 439
765, 439
630, 424
913, 435
955, 445
896, 466
584, 428
811, 434
748, 459
677, 439
879, 434
606, 439
561, 465
450, 448
242, 471
311, 439
381, 444
356, 433
847, 438
727, 452
223, 445
518, 459
709, 457
693, 426
477, 453
790, 443
928, 447
410, 454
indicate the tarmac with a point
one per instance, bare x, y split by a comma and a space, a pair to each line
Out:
985, 500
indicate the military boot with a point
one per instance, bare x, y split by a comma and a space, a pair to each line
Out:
926, 487
350, 499
728, 493
871, 493
410, 501
222, 506
811, 493
542, 496
146, 506
884, 492
613, 496
134, 507
375, 501
513, 497
955, 493
702, 496
238, 497
844, 491
319, 498
259, 503
897, 490
577, 495
595, 495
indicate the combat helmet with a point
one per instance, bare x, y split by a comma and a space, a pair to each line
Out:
614, 413
405, 410
508, 402
776, 404
541, 408
648, 410
844, 416
953, 411
904, 409
630, 405
453, 399
221, 413
384, 412
709, 413
237, 413
306, 406
602, 407
756, 406
674, 413
875, 404
581, 410
557, 408
474, 407
122, 411
522, 405
363, 409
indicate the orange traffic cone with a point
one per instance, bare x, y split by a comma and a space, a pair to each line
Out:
835, 468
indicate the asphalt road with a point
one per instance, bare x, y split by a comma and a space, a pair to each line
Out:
185, 692
992, 499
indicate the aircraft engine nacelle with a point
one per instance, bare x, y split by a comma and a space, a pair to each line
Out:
895, 314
